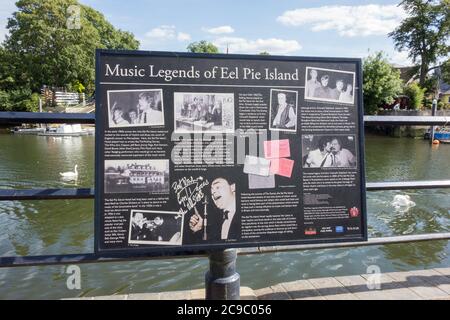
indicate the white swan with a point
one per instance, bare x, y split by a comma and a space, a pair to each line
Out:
70, 174
402, 202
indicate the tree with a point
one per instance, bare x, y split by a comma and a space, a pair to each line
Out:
44, 49
264, 53
415, 94
424, 33
445, 71
381, 82
202, 47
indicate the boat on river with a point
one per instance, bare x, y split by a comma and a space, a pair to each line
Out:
68, 130
20, 130
442, 135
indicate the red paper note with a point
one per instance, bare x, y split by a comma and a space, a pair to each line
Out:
282, 167
277, 149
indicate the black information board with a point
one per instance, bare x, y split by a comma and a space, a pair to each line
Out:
197, 152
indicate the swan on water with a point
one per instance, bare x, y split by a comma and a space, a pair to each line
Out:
402, 202
70, 174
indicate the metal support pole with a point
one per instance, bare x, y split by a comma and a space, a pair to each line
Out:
222, 282
433, 113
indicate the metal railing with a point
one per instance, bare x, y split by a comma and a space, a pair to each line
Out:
88, 193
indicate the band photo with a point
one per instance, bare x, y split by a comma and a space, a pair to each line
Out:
329, 151
155, 227
137, 176
330, 85
204, 112
283, 110
215, 218
135, 108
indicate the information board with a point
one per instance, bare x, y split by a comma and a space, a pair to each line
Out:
197, 152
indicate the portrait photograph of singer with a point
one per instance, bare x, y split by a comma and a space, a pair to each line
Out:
220, 222
283, 110
322, 151
135, 108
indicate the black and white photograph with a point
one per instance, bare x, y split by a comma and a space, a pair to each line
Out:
216, 217
330, 85
131, 176
204, 112
135, 108
283, 110
329, 151
155, 227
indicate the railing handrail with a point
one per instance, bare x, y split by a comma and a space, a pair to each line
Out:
44, 260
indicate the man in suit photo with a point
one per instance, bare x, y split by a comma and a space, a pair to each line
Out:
222, 222
149, 109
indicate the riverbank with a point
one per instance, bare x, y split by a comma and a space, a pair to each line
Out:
412, 285
396, 131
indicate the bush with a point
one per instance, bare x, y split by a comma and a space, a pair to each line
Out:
77, 86
415, 94
381, 83
19, 100
443, 106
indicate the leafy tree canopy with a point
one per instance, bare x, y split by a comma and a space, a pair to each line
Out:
424, 33
202, 47
445, 70
381, 82
53, 43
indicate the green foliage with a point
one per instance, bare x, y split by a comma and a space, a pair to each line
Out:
427, 102
42, 49
443, 105
202, 47
424, 33
381, 83
415, 94
445, 71
19, 100
264, 53
430, 84
77, 86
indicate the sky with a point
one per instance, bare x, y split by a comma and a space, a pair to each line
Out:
283, 27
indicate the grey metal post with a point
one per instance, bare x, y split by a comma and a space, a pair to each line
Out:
222, 282
433, 113
40, 110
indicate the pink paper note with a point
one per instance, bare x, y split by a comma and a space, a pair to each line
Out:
277, 149
282, 167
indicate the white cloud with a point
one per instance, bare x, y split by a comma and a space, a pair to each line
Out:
219, 30
348, 21
162, 32
162, 35
400, 58
183, 36
272, 45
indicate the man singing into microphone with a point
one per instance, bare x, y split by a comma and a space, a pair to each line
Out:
221, 224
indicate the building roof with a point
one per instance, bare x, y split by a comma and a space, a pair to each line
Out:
407, 74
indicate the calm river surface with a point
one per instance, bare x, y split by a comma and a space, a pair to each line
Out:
61, 226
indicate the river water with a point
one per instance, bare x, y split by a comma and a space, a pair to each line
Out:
63, 226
